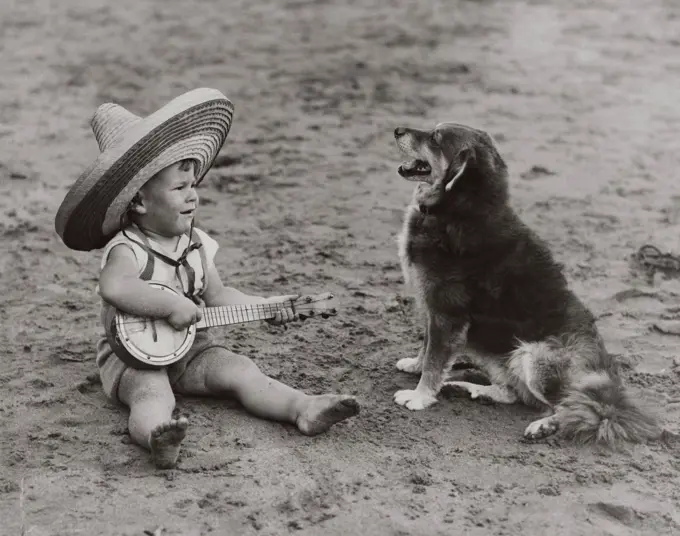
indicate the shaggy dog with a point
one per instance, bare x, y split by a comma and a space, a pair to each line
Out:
492, 292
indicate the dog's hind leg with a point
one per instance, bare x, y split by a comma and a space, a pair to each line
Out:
494, 393
467, 372
414, 365
540, 372
541, 428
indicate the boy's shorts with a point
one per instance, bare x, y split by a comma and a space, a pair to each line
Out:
111, 368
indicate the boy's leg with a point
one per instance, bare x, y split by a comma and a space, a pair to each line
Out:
149, 396
220, 372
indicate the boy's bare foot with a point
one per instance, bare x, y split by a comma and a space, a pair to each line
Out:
165, 441
323, 411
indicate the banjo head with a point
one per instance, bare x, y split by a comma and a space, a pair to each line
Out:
149, 343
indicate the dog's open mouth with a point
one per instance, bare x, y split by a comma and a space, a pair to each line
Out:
414, 168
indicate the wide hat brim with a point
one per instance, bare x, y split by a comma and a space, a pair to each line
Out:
192, 126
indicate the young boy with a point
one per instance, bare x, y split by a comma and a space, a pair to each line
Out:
139, 201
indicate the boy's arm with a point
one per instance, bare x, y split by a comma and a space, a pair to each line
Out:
120, 286
217, 294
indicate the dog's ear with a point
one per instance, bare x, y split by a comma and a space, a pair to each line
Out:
458, 166
490, 156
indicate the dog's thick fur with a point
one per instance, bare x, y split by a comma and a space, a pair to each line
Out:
492, 292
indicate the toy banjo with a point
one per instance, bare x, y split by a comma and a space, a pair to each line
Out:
148, 343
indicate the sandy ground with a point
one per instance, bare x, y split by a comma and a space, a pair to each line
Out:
583, 99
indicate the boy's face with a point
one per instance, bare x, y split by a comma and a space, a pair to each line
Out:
169, 201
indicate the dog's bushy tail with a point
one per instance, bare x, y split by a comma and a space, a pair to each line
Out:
599, 409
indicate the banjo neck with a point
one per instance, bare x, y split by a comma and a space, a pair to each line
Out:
226, 315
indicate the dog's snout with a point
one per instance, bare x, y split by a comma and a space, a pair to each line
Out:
399, 132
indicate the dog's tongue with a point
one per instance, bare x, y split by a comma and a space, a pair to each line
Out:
409, 166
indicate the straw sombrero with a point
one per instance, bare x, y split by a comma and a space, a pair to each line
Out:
133, 149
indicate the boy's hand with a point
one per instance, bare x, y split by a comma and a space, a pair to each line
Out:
184, 314
286, 313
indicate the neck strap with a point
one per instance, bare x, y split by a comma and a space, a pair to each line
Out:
181, 260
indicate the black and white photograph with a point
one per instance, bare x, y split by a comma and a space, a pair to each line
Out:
314, 268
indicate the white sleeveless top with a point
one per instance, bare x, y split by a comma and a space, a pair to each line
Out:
162, 271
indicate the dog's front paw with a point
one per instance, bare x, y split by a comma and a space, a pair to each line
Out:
412, 365
542, 428
413, 399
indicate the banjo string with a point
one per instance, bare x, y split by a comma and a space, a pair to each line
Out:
243, 310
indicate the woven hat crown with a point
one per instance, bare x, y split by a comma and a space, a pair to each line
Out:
109, 124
